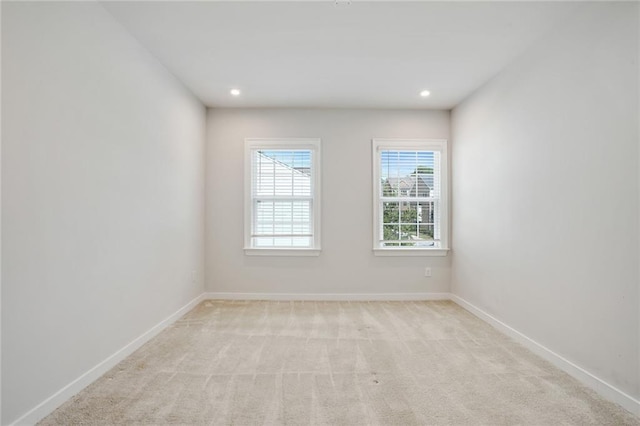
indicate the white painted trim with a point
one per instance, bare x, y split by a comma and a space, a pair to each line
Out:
359, 297
49, 405
400, 251
603, 388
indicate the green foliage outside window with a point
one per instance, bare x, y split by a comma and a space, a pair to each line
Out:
401, 220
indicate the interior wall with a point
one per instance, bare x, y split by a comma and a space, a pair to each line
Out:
0, 223
102, 195
545, 194
347, 263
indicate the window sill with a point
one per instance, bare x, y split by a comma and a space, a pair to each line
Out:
281, 252
428, 252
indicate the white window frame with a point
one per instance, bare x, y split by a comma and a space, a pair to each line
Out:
312, 144
439, 145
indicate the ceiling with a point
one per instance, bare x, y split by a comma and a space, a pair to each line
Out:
328, 54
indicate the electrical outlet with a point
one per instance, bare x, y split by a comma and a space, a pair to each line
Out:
427, 272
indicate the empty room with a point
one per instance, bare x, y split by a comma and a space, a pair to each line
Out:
320, 213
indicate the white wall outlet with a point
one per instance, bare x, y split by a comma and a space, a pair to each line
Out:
427, 272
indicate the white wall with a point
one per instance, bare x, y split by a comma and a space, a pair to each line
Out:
0, 223
346, 264
545, 194
102, 195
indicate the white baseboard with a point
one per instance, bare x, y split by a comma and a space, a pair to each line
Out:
49, 405
605, 389
359, 297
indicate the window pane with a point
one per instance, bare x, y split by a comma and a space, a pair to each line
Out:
282, 217
288, 221
408, 173
390, 232
426, 232
301, 241
410, 191
281, 173
278, 174
426, 212
390, 213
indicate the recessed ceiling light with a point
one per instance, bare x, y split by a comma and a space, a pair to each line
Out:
425, 93
235, 92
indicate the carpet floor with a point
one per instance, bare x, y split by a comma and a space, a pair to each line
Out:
335, 363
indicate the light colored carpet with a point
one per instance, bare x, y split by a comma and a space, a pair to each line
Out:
335, 363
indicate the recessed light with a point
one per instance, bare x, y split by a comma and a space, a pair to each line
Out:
425, 93
235, 92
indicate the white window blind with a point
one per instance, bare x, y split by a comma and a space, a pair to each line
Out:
283, 196
410, 195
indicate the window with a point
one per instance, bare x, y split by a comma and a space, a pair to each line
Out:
282, 197
410, 197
